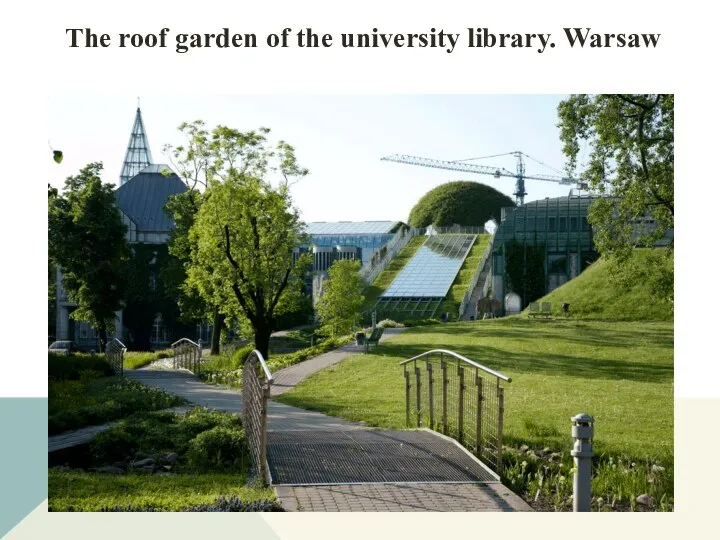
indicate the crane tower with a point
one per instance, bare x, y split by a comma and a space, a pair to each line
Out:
497, 172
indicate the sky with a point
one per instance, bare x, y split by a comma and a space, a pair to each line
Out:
340, 139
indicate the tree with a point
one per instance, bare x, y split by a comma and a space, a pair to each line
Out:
631, 141
86, 239
244, 231
342, 298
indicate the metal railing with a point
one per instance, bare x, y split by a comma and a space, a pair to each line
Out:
451, 394
474, 281
115, 354
186, 355
256, 381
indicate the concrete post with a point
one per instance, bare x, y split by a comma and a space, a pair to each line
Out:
582, 452
374, 319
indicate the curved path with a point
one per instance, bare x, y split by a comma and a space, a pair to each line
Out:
322, 463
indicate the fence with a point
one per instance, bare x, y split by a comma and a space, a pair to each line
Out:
186, 355
256, 381
115, 354
474, 281
449, 393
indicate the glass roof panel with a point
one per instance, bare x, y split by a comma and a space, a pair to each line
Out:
349, 227
432, 270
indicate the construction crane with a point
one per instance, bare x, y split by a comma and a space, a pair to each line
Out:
497, 172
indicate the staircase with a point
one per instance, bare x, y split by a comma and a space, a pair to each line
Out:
478, 292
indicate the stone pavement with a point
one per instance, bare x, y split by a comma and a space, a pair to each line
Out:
407, 497
287, 378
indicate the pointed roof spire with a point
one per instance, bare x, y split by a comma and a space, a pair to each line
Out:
138, 154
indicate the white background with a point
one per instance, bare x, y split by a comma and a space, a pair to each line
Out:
37, 63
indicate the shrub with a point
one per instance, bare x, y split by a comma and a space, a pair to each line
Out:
421, 322
389, 323
241, 354
217, 448
70, 367
462, 203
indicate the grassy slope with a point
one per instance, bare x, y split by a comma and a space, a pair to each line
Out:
386, 277
593, 295
457, 291
622, 373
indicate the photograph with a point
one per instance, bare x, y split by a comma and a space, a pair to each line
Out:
360, 303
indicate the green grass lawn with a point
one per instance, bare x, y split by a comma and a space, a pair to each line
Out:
199, 458
138, 359
457, 291
386, 277
622, 373
594, 294
619, 372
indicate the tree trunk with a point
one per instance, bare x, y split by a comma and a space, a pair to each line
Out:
102, 334
262, 338
218, 323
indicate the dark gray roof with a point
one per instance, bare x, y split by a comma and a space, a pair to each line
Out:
143, 198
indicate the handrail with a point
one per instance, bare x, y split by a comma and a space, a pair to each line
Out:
120, 342
184, 339
268, 375
460, 357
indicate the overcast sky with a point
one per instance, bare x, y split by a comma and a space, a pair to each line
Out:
340, 139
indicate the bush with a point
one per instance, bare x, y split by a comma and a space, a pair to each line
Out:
222, 504
389, 323
241, 354
217, 448
70, 367
461, 203
421, 322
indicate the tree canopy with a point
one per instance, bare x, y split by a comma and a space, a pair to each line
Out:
86, 239
461, 203
242, 235
630, 138
342, 298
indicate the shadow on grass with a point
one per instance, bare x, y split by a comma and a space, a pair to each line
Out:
518, 362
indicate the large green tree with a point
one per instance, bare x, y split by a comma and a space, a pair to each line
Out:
630, 144
342, 298
242, 237
86, 239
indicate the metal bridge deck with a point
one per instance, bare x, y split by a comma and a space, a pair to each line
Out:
370, 456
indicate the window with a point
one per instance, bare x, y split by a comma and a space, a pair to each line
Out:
552, 225
573, 224
584, 225
563, 224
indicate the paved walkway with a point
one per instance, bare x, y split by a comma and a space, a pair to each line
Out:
323, 495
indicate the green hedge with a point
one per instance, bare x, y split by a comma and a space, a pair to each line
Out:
70, 367
462, 203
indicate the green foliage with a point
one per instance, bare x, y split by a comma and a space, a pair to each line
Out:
389, 323
86, 239
461, 203
454, 297
217, 448
57, 156
91, 401
632, 156
612, 292
342, 298
525, 267
136, 360
69, 367
242, 235
210, 463
421, 322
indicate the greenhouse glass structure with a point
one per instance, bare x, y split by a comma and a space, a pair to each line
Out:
554, 233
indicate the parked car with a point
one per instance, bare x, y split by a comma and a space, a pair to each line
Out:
65, 347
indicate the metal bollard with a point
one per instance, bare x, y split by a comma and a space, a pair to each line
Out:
582, 432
